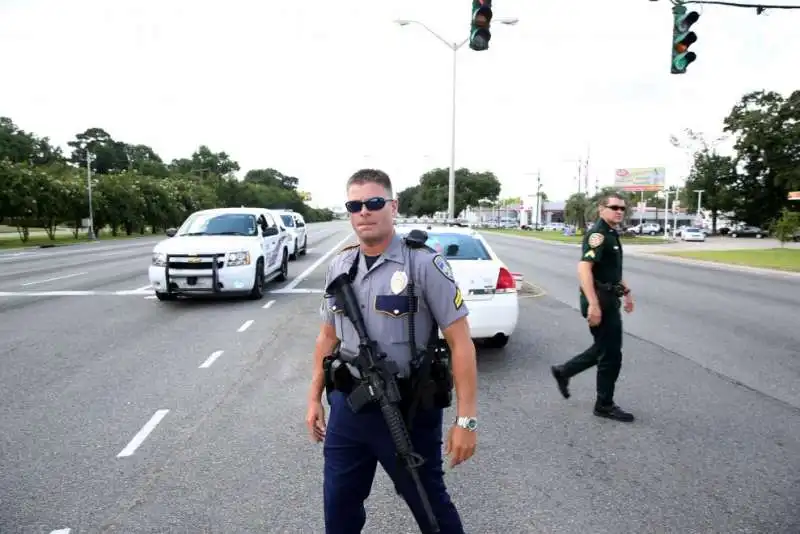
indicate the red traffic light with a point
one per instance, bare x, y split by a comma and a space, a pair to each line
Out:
481, 13
684, 44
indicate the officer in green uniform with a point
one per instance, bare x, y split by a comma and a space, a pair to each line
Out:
601, 286
383, 265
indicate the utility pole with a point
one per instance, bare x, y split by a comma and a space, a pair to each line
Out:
586, 169
699, 200
89, 187
538, 196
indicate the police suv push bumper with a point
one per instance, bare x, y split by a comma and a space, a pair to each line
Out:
185, 274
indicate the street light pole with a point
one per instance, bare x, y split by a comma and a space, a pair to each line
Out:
89, 187
699, 199
538, 196
451, 191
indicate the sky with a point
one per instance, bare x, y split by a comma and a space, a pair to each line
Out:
318, 89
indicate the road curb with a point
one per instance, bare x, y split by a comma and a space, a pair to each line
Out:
716, 266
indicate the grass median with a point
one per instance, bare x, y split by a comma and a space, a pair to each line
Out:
782, 259
9, 237
545, 235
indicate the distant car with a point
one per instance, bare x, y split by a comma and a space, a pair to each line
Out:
296, 226
487, 285
692, 234
221, 251
747, 231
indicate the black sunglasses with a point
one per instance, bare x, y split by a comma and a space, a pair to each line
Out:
372, 204
616, 207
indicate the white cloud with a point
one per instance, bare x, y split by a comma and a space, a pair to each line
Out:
314, 87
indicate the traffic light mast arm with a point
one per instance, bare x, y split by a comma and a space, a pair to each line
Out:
760, 8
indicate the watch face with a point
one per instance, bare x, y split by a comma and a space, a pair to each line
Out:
472, 424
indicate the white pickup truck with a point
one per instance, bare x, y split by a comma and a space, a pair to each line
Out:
221, 251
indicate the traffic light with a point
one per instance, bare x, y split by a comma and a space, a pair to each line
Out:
481, 19
682, 38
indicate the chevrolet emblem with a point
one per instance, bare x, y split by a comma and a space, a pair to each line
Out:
195, 260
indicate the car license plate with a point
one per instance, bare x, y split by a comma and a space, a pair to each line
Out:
194, 282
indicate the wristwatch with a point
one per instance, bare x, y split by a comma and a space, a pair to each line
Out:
468, 423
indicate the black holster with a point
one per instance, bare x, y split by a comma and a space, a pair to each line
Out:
337, 375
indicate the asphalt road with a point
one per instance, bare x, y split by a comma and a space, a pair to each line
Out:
123, 415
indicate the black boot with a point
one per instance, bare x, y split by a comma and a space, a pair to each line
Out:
613, 412
561, 380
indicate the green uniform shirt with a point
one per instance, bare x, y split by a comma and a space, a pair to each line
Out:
603, 248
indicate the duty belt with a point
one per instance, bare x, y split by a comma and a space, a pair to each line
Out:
608, 286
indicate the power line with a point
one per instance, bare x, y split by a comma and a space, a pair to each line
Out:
760, 8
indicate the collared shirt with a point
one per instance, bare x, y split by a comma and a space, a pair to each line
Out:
603, 248
382, 293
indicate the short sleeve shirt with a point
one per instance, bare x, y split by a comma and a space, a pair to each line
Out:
603, 249
382, 293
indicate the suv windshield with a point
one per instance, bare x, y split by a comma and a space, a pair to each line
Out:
288, 221
457, 246
223, 224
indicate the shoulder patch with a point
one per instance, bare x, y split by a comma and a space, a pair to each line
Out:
596, 239
443, 267
351, 246
458, 300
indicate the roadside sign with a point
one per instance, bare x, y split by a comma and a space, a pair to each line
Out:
794, 195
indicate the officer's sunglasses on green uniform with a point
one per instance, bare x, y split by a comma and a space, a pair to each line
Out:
616, 207
372, 204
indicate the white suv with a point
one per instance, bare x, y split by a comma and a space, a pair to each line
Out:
296, 226
225, 250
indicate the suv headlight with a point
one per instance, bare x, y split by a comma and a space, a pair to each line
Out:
159, 259
236, 259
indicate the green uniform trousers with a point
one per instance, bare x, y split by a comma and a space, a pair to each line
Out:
606, 351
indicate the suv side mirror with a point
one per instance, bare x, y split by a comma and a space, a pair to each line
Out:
270, 231
171, 232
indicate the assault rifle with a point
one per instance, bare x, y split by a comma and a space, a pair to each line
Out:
378, 383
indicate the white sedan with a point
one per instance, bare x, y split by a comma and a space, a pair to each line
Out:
692, 234
488, 287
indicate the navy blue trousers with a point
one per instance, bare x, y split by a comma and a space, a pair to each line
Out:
355, 443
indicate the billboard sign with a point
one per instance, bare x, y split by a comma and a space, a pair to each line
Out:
640, 179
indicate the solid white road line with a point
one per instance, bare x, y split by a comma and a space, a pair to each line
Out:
55, 278
268, 305
50, 293
245, 326
302, 276
61, 531
211, 359
139, 438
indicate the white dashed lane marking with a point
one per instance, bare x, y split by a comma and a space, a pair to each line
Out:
268, 305
55, 278
211, 359
245, 325
140, 436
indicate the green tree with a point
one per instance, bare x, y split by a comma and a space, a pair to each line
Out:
767, 131
430, 195
787, 225
577, 209
132, 189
